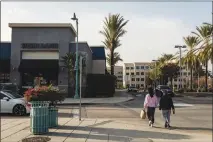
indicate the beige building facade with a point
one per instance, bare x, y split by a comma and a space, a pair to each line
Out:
134, 74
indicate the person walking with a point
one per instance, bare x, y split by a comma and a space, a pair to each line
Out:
150, 104
158, 94
166, 105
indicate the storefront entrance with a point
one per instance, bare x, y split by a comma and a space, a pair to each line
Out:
38, 72
4, 70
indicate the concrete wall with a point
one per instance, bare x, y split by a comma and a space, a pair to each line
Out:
99, 67
62, 36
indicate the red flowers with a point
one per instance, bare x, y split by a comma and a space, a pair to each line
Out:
38, 91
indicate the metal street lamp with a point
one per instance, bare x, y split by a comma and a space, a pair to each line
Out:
155, 71
76, 61
180, 78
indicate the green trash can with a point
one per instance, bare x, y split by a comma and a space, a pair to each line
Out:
39, 117
53, 117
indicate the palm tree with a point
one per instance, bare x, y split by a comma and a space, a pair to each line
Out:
113, 30
117, 58
204, 33
191, 59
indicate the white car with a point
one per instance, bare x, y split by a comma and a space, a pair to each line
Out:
13, 103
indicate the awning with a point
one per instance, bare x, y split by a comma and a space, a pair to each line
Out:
4, 66
39, 66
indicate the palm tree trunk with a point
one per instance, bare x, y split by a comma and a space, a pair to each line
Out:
212, 75
171, 80
112, 62
191, 76
206, 86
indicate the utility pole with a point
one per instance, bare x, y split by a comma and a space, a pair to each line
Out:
180, 65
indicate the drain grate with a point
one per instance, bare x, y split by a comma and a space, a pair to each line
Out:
36, 139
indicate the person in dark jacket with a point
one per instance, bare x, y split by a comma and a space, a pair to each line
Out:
166, 105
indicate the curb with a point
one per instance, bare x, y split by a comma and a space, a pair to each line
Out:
61, 104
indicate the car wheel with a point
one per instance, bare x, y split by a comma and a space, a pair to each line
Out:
19, 110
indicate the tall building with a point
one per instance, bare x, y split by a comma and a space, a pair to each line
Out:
118, 72
135, 74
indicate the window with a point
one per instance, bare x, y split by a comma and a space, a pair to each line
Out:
147, 67
133, 79
175, 79
142, 73
185, 73
127, 73
142, 67
137, 67
137, 73
142, 79
142, 85
127, 68
2, 96
132, 73
4, 77
132, 68
137, 79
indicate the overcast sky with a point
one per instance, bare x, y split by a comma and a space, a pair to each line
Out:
154, 28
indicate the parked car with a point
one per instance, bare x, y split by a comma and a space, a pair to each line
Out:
167, 88
9, 86
133, 89
13, 103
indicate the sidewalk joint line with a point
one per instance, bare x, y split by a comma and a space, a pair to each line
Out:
90, 130
73, 130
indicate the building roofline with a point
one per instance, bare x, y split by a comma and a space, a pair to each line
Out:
84, 43
42, 25
5, 41
98, 46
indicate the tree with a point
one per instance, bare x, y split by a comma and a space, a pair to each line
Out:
191, 59
204, 33
69, 63
113, 30
170, 70
117, 58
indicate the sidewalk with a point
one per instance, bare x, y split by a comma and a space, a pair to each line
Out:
97, 130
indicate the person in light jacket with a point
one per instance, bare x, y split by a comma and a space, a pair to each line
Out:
150, 104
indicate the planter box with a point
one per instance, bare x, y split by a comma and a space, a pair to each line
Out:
49, 96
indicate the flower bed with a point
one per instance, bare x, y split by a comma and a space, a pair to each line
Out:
44, 93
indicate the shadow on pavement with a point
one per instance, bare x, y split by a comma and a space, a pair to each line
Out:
12, 116
115, 134
192, 128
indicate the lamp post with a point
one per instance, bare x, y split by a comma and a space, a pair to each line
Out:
180, 78
155, 71
76, 60
81, 60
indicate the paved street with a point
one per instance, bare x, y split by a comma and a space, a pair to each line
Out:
120, 122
